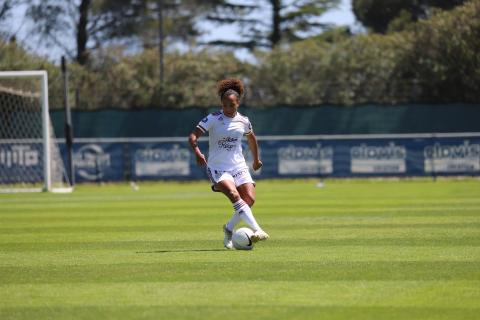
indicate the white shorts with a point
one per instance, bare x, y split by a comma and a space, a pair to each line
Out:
239, 176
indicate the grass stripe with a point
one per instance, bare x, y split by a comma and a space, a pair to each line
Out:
227, 311
279, 243
197, 254
438, 294
224, 271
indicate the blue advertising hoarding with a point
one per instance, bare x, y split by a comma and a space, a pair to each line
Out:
163, 160
21, 161
98, 160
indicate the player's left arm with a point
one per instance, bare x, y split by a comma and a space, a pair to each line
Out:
253, 145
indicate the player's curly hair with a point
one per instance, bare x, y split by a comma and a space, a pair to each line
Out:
230, 84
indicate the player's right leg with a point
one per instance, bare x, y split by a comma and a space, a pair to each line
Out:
227, 239
227, 187
221, 178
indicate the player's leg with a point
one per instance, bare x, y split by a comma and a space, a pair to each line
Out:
227, 187
216, 177
247, 193
246, 189
242, 209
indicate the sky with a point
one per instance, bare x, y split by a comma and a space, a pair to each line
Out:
340, 16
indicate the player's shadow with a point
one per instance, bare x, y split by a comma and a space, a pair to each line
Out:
181, 250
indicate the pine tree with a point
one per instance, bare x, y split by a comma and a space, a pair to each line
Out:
267, 23
96, 23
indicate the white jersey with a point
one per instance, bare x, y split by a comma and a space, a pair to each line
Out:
225, 138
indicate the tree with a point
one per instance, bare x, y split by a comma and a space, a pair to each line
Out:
95, 23
288, 20
6, 8
378, 15
436, 61
169, 21
89, 22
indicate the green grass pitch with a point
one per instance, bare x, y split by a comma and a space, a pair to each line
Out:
356, 249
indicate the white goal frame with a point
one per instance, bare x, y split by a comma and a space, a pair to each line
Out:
42, 75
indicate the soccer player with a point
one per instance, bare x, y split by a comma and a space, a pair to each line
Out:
226, 166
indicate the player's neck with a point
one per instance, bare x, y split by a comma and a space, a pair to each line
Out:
230, 114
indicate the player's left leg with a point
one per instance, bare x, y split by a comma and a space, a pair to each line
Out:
247, 193
246, 189
242, 210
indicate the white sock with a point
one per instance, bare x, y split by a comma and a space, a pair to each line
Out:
233, 221
246, 214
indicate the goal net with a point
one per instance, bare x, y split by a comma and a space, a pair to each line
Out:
30, 158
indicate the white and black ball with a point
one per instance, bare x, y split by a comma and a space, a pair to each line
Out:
242, 239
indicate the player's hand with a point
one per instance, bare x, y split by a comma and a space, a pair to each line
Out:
201, 160
257, 164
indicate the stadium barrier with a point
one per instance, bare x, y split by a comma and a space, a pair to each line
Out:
117, 159
324, 120
286, 156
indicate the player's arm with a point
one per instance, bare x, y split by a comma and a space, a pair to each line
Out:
193, 140
253, 145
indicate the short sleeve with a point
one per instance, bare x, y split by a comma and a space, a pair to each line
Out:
248, 127
206, 123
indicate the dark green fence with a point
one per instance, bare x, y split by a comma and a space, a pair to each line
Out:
368, 119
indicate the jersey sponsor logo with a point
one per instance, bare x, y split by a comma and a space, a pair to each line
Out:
205, 120
227, 143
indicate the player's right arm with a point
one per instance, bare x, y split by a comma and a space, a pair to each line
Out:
193, 140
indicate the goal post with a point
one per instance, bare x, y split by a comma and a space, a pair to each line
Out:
30, 158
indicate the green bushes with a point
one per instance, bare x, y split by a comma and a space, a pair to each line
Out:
436, 60
132, 82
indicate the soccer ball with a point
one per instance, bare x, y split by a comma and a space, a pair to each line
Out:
242, 239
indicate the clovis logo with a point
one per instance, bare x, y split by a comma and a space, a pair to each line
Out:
390, 151
378, 159
162, 162
91, 162
465, 150
458, 158
313, 159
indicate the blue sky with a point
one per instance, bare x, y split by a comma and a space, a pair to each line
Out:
342, 15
